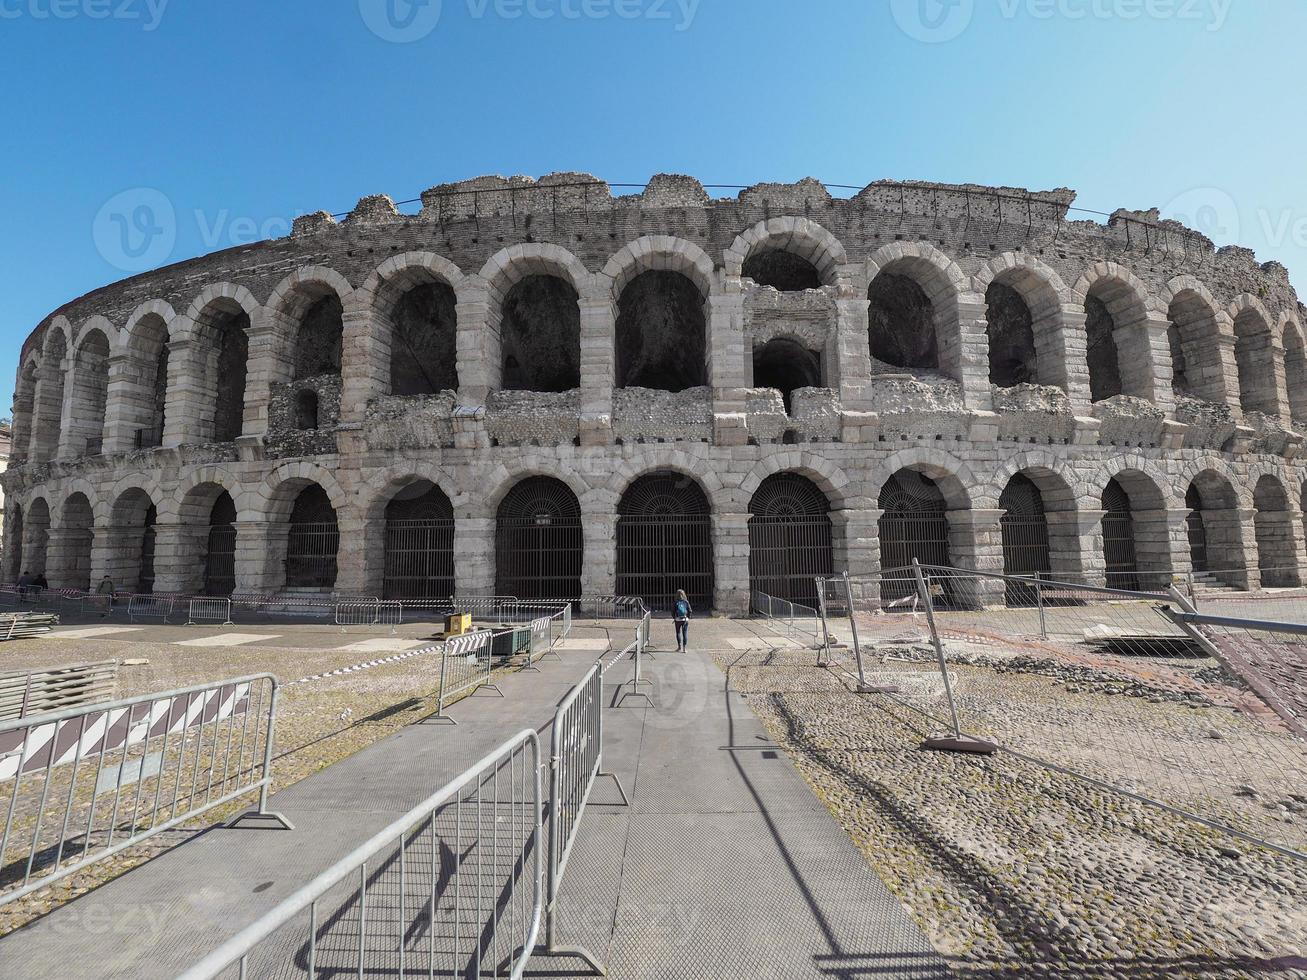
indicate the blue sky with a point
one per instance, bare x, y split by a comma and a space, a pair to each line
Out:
241, 114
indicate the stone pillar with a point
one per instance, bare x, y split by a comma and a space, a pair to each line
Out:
128, 406
190, 406
260, 556
1161, 546
364, 359
71, 438
1279, 548
1066, 542
1282, 407
179, 558
474, 555
970, 361
726, 357
1075, 358
975, 543
1144, 359
477, 340
1229, 384
116, 552
350, 567
730, 537
1231, 546
599, 566
270, 338
1093, 561
68, 557
598, 367
855, 541
852, 354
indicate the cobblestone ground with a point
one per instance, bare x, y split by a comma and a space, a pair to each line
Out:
1016, 870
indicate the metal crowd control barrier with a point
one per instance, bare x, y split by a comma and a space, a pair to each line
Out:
209, 611
87, 782
24, 693
461, 669
369, 612
453, 888
576, 760
786, 616
150, 607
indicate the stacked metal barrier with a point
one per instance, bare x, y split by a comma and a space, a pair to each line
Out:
86, 782
31, 692
453, 888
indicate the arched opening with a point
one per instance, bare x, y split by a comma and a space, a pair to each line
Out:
1024, 529
786, 365
1252, 354
661, 333
664, 541
419, 543
538, 541
1214, 528
222, 351
423, 340
36, 537
146, 405
90, 394
306, 409
783, 271
24, 402
318, 339
312, 541
1277, 549
49, 398
1101, 352
1194, 340
220, 548
1122, 563
130, 564
1295, 374
901, 320
913, 525
789, 538
1009, 328
540, 333
73, 568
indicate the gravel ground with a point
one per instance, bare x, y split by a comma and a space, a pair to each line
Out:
318, 723
1015, 870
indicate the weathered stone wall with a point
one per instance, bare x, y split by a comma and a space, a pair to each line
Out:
660, 286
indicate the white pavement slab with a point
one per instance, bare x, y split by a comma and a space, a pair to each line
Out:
581, 643
89, 632
394, 644
226, 640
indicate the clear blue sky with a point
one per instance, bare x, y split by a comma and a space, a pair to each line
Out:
244, 113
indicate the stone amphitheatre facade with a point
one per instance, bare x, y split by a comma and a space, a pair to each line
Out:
540, 388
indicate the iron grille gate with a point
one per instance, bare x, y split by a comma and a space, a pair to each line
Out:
220, 561
906, 535
419, 559
1122, 564
311, 555
1197, 540
787, 555
538, 557
656, 555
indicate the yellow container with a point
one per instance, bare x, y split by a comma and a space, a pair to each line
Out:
458, 624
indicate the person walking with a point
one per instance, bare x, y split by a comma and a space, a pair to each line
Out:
681, 616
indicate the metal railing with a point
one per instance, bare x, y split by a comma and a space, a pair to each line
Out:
369, 612
575, 762
800, 621
462, 668
452, 888
87, 782
199, 611
150, 607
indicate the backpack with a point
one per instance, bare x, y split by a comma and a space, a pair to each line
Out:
682, 609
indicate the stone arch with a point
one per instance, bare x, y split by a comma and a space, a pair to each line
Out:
303, 511
274, 500
408, 526
90, 394
785, 363
1295, 369
790, 541
1255, 356
24, 408
217, 330
305, 315
1197, 366
830, 479
129, 552
1135, 531
665, 539
36, 535
953, 477
539, 539
1038, 528
914, 291
1030, 296
407, 314
797, 236
1214, 524
652, 252
1116, 305
48, 398
660, 291
138, 388
656, 458
69, 555
204, 509
1275, 525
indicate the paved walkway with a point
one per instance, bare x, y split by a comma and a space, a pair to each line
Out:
725, 864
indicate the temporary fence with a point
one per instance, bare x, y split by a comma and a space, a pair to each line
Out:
369, 612
575, 763
800, 622
87, 782
610, 607
34, 692
22, 625
199, 611
465, 665
453, 888
1104, 685
141, 607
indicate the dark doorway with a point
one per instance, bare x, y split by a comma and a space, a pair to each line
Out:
419, 547
538, 541
664, 541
